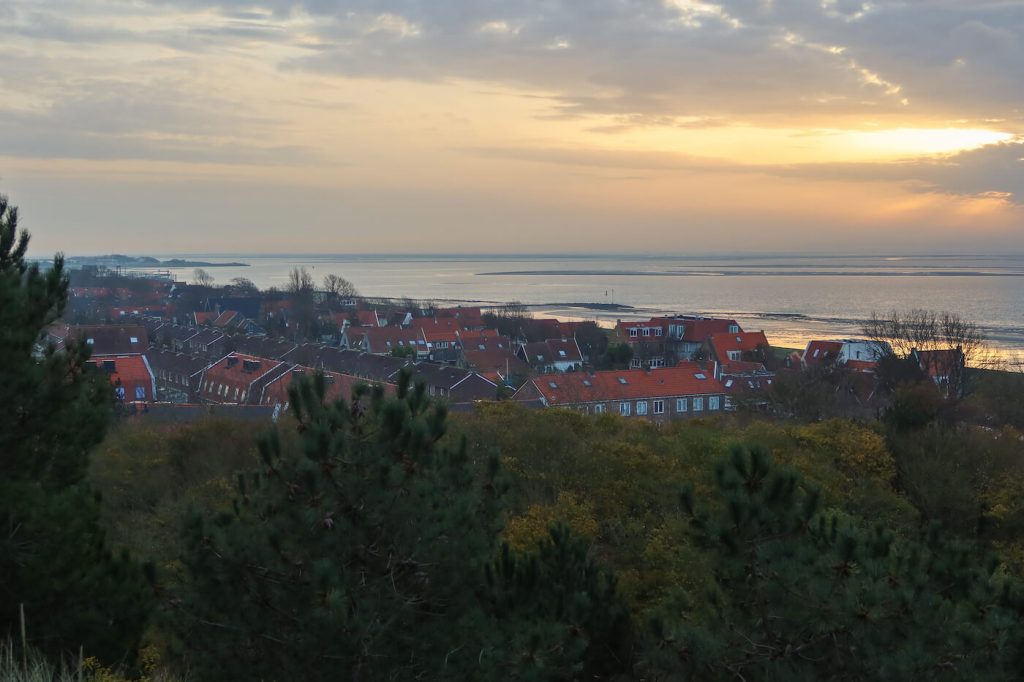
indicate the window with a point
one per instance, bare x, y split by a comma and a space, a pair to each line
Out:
140, 392
133, 339
734, 355
623, 381
647, 331
561, 353
816, 351
641, 407
634, 363
734, 329
599, 408
243, 397
659, 407
586, 382
632, 332
552, 384
728, 383
698, 404
657, 331
680, 404
713, 402
119, 392
90, 341
657, 362
700, 375
624, 409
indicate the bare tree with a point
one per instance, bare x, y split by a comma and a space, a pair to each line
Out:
202, 278
300, 281
339, 287
244, 285
950, 342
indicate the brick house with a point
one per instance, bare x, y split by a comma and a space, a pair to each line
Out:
659, 395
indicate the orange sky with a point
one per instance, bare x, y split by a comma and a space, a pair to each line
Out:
420, 125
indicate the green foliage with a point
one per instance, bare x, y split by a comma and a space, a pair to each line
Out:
616, 356
54, 558
554, 614
803, 595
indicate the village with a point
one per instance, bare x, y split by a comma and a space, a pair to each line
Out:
179, 352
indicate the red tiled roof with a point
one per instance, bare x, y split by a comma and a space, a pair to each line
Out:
697, 331
436, 324
112, 339
237, 371
338, 385
938, 363
817, 351
862, 365
744, 342
133, 373
205, 318
225, 318
387, 339
666, 382
490, 360
367, 318
741, 367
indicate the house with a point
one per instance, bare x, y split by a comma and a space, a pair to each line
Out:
945, 367
663, 341
369, 318
263, 346
275, 392
858, 355
200, 319
122, 312
238, 378
178, 375
130, 375
552, 355
745, 383
206, 341
176, 336
467, 317
491, 356
659, 395
733, 347
455, 384
387, 340
104, 340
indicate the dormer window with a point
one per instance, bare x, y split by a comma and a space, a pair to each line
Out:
734, 329
133, 339
561, 353
647, 331
633, 331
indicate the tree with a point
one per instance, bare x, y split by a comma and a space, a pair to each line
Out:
364, 550
339, 287
245, 286
899, 333
302, 318
801, 594
616, 356
54, 561
202, 278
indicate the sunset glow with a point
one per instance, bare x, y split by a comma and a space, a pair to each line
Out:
481, 129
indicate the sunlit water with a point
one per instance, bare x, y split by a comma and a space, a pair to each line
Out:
793, 298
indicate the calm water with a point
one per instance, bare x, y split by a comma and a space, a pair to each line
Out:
793, 298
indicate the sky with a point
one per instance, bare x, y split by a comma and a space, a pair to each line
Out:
663, 126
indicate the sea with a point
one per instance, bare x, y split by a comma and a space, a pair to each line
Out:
792, 297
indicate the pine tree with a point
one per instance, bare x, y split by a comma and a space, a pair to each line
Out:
54, 562
805, 595
366, 550
352, 554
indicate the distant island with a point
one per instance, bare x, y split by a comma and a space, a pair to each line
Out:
119, 260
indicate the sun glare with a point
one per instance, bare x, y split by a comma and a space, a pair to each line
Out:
921, 141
